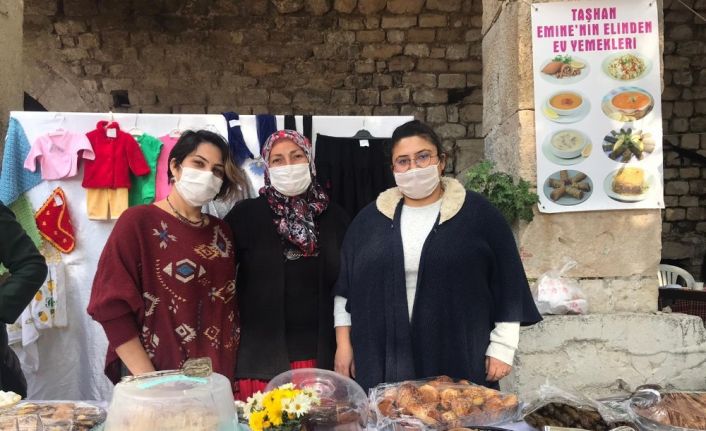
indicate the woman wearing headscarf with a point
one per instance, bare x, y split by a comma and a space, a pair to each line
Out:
288, 242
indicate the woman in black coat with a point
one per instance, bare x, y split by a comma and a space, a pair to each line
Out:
27, 273
431, 277
288, 251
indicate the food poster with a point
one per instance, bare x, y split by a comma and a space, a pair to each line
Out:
597, 105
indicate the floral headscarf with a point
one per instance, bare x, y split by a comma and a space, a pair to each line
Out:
295, 217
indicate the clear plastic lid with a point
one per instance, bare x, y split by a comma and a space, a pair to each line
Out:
343, 401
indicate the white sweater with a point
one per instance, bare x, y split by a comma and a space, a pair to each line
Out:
415, 225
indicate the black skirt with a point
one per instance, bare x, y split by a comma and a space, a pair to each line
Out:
353, 175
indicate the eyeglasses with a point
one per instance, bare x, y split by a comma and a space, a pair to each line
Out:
404, 163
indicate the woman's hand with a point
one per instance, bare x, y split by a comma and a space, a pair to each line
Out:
134, 357
343, 361
496, 369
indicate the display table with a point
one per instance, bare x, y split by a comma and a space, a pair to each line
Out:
685, 301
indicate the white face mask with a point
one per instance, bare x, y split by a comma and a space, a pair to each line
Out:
291, 180
197, 187
418, 183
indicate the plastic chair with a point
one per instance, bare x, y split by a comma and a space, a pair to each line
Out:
668, 274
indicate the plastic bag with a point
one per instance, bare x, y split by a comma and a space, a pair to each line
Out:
668, 411
52, 415
439, 404
557, 294
556, 407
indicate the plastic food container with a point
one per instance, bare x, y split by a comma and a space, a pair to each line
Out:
669, 411
344, 405
172, 401
439, 404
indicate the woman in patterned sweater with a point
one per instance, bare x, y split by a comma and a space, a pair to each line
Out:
164, 289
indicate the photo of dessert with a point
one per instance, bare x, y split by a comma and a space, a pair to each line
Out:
564, 69
568, 187
566, 107
567, 147
624, 145
629, 184
627, 104
626, 67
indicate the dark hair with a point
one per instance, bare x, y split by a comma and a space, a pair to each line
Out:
234, 182
416, 128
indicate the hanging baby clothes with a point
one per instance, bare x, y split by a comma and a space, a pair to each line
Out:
251, 164
14, 179
143, 187
48, 307
58, 154
22, 336
54, 222
107, 178
161, 180
353, 172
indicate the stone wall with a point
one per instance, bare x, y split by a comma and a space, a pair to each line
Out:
684, 107
336, 57
11, 64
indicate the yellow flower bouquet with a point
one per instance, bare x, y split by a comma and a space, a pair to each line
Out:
283, 408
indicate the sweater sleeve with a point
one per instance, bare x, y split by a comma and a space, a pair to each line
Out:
340, 316
135, 158
25, 264
116, 295
34, 153
503, 341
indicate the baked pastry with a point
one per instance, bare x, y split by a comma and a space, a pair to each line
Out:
629, 181
429, 394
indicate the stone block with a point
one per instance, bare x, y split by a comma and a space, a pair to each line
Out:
695, 214
395, 96
398, 21
689, 173
343, 97
288, 6
344, 6
451, 131
683, 78
370, 36
382, 80
450, 35
676, 188
367, 7
470, 152
405, 6
80, 7
675, 214
681, 32
471, 113
677, 250
69, 27
698, 124
432, 65
395, 36
351, 23
381, 51
473, 35
280, 98
457, 52
416, 50
431, 20
415, 80
423, 35
445, 5
400, 64
372, 22
368, 97
671, 173
436, 114
604, 243
452, 114
318, 7
600, 354
257, 69
386, 110
430, 96
466, 66
452, 80
437, 52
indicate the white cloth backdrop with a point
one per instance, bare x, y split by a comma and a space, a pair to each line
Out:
71, 359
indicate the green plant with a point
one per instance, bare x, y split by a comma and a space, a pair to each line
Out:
514, 199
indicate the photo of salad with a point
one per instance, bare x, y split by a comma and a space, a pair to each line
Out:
625, 67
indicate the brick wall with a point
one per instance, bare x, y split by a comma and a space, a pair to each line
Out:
342, 57
684, 106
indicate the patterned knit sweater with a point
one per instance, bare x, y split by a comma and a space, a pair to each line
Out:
170, 284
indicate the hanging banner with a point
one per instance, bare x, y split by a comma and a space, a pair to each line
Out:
597, 105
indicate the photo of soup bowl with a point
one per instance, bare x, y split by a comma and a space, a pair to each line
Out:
565, 102
631, 102
567, 144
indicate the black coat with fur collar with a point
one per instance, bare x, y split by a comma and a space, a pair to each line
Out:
470, 277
